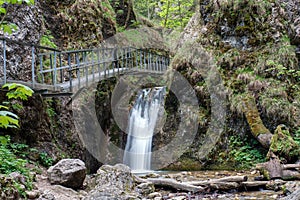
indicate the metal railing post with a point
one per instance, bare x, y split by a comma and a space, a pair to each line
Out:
70, 72
41, 69
98, 61
86, 67
93, 65
4, 61
77, 68
55, 70
32, 66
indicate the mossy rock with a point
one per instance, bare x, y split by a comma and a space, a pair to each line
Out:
283, 145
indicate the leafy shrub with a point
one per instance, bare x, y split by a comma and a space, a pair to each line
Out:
244, 152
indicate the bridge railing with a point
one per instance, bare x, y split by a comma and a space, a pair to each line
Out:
70, 70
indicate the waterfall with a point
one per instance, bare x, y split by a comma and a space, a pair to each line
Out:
141, 126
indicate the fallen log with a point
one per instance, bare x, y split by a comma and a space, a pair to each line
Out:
291, 166
175, 184
224, 185
224, 179
252, 184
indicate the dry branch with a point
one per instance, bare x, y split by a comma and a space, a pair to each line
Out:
224, 179
174, 184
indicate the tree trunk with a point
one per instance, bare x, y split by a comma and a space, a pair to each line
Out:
258, 129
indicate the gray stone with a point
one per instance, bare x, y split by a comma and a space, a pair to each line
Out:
68, 172
113, 182
58, 192
32, 194
145, 188
154, 195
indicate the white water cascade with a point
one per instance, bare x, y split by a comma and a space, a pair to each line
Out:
141, 125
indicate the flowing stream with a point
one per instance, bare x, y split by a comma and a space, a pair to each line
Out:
141, 126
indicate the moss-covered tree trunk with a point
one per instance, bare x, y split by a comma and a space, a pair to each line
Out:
258, 129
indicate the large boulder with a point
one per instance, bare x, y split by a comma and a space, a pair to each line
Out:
113, 182
68, 172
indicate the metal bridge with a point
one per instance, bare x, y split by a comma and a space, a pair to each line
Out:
55, 71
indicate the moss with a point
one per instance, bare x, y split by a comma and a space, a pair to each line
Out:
253, 117
283, 145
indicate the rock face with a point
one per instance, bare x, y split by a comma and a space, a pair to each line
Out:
254, 47
30, 29
68, 172
113, 182
81, 23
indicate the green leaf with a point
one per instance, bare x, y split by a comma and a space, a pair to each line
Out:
4, 140
3, 10
6, 29
8, 113
5, 107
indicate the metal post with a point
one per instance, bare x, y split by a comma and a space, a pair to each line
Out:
55, 70
32, 67
113, 62
77, 68
141, 59
41, 69
51, 66
104, 63
93, 66
117, 62
145, 65
86, 68
136, 61
4, 61
61, 70
98, 61
70, 72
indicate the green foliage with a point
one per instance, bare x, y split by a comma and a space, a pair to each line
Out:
5, 26
297, 136
244, 152
8, 119
46, 40
9, 163
169, 13
45, 159
18, 91
284, 145
175, 13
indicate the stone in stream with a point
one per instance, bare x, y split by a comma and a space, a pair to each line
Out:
113, 182
68, 172
145, 188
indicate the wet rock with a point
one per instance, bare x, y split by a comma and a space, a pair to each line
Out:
113, 182
154, 195
16, 176
7, 188
68, 172
145, 188
58, 192
32, 194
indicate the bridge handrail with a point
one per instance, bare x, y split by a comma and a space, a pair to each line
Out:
48, 68
29, 44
